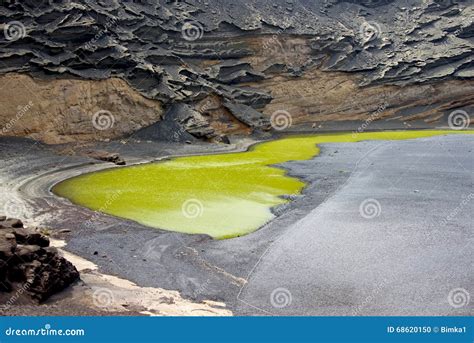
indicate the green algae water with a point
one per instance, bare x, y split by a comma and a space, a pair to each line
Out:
222, 195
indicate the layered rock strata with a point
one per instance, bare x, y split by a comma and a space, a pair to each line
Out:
319, 61
29, 267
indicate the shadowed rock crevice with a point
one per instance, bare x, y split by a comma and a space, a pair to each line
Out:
29, 267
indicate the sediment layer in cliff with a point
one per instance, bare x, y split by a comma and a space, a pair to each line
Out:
230, 61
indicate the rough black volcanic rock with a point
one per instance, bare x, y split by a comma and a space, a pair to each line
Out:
102, 155
157, 45
248, 115
28, 265
184, 51
181, 123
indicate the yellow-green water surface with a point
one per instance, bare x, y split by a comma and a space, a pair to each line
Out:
222, 195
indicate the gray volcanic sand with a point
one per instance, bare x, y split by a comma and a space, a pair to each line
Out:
319, 256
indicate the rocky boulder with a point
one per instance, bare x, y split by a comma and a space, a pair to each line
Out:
28, 265
106, 156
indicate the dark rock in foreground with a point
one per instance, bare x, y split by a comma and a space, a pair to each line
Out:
29, 266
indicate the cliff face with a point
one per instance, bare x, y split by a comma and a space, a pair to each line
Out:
233, 64
67, 110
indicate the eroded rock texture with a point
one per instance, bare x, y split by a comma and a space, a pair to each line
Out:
321, 61
67, 110
28, 266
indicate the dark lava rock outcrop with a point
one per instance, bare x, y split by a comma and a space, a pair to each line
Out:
106, 156
29, 267
252, 56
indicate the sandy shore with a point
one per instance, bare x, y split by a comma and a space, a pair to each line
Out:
29, 169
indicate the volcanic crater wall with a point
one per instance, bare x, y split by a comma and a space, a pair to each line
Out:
87, 70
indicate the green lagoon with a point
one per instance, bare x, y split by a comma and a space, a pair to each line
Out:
222, 195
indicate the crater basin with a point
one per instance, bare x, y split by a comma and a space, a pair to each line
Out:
222, 195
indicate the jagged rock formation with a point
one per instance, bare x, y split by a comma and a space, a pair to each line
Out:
253, 56
28, 266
